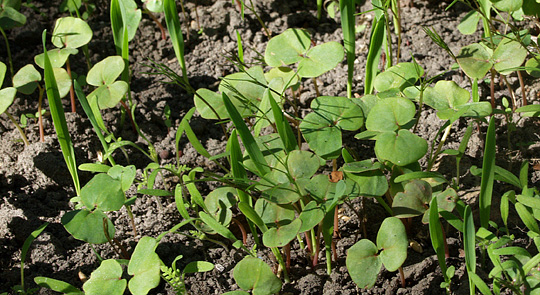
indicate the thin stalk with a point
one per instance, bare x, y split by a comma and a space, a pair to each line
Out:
522, 86
242, 229
439, 147
287, 250
397, 18
40, 124
319, 9
8, 52
512, 96
132, 220
185, 18
279, 258
492, 88
402, 277
160, 26
385, 206
316, 87
71, 91
23, 136
266, 31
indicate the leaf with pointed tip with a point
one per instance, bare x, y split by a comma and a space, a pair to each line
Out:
131, 16
469, 23
532, 66
106, 71
11, 18
507, 5
126, 175
71, 32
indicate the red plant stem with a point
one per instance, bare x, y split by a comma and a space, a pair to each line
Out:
308, 242
288, 254
446, 251
402, 277
243, 230
71, 91
129, 115
160, 26
334, 250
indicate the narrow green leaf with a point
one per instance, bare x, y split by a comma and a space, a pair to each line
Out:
480, 284
59, 119
348, 22
175, 32
488, 173
374, 53
436, 235
527, 218
247, 138
218, 227
285, 131
57, 286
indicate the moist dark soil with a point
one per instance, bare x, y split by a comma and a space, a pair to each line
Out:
35, 185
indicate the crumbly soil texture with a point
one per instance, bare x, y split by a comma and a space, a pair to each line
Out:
35, 185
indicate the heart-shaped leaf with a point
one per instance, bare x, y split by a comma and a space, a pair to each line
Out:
58, 57
247, 87
392, 240
363, 263
289, 77
322, 128
390, 114
445, 95
287, 48
144, 266
272, 149
371, 183
103, 192
473, 109
402, 148
71, 32
320, 59
413, 201
106, 71
106, 279
208, 103
253, 274
88, 226
155, 6
7, 95
26, 79
475, 60
400, 76
508, 56
282, 235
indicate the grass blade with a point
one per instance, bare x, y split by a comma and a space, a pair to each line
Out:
437, 238
347, 8
247, 138
488, 174
285, 131
469, 245
26, 246
59, 118
175, 32
375, 46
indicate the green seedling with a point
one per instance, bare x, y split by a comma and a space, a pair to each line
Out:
294, 46
10, 18
348, 22
21, 289
253, 274
175, 278
59, 119
70, 33
7, 95
365, 259
27, 79
175, 32
322, 128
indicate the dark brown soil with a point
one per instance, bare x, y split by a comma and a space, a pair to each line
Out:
35, 185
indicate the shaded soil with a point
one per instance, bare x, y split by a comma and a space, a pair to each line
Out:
35, 185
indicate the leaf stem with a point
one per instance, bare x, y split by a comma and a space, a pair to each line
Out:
23, 136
